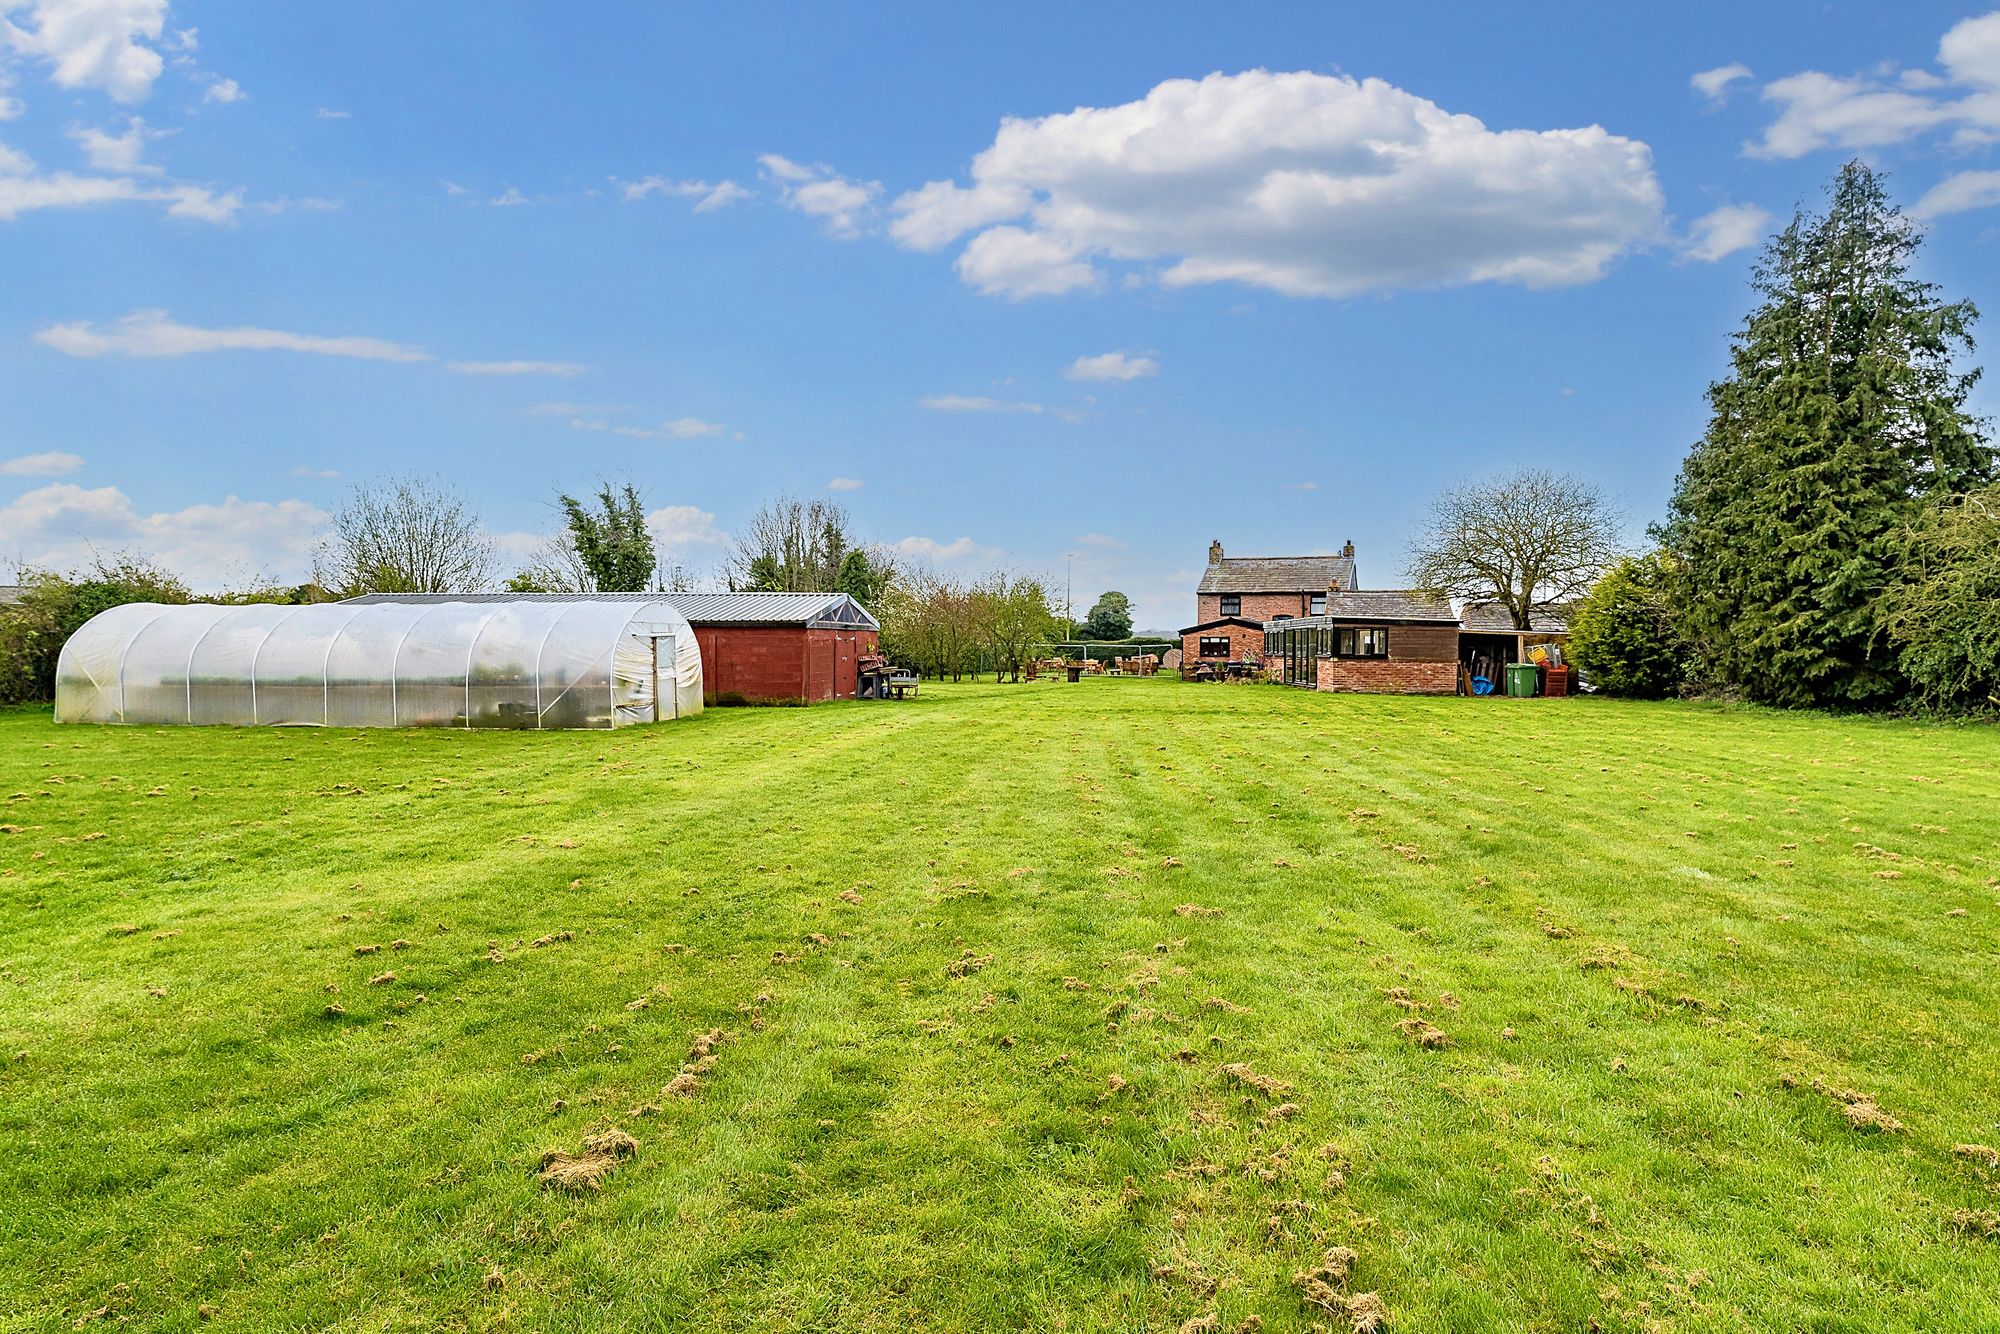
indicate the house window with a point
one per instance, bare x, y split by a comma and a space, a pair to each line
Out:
1232, 605
1368, 642
1215, 646
1316, 605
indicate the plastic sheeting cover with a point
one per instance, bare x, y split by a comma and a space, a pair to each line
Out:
445, 664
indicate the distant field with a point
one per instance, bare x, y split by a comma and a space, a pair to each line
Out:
1042, 1007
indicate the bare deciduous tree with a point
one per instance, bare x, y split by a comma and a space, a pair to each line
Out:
1530, 540
790, 546
407, 535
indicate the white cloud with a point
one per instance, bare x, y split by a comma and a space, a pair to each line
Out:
224, 91
974, 403
153, 333
1298, 486
843, 205
508, 198
844, 484
13, 162
118, 152
331, 113
324, 474
21, 192
1724, 231
93, 43
1306, 184
564, 368
62, 525
681, 428
50, 464
1111, 366
938, 214
710, 195
678, 527
1714, 84
958, 549
1886, 106
1103, 541
1957, 194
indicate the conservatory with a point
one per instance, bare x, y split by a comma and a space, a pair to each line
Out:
448, 664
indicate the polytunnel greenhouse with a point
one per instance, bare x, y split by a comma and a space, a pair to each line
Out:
521, 664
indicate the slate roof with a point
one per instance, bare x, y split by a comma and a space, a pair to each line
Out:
1278, 574
803, 609
1491, 618
1388, 606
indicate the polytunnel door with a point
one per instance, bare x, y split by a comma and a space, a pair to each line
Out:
673, 679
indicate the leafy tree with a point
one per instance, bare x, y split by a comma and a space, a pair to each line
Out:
862, 578
1108, 619
1527, 541
612, 542
1623, 632
51, 608
1842, 419
410, 535
1015, 617
1943, 616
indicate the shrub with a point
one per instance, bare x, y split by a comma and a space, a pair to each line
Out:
1623, 632
1943, 617
52, 606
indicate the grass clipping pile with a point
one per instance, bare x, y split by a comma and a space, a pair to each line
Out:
1323, 1289
577, 1173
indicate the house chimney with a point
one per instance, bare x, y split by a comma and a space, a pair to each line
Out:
1348, 550
1215, 553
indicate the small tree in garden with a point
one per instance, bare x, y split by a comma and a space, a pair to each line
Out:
1623, 632
611, 540
1015, 618
1534, 539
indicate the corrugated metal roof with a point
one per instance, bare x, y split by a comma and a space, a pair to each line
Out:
803, 609
1491, 618
1278, 574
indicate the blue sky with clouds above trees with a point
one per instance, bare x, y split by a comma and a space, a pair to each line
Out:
1034, 287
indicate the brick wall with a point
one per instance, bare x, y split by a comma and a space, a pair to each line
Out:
1424, 643
1243, 642
1256, 606
1388, 676
780, 662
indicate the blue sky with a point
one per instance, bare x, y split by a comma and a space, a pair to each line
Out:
1028, 288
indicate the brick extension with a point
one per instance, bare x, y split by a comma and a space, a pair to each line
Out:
1388, 676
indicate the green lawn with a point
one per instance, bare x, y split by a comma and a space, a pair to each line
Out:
1681, 963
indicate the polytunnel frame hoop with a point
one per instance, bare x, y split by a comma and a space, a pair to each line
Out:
192, 648
258, 652
471, 648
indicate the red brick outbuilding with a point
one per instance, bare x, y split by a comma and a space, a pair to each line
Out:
760, 647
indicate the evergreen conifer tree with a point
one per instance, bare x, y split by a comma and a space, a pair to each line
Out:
1842, 418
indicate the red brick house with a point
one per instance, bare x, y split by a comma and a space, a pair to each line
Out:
1239, 594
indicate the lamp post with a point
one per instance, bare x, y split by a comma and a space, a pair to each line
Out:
1069, 629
